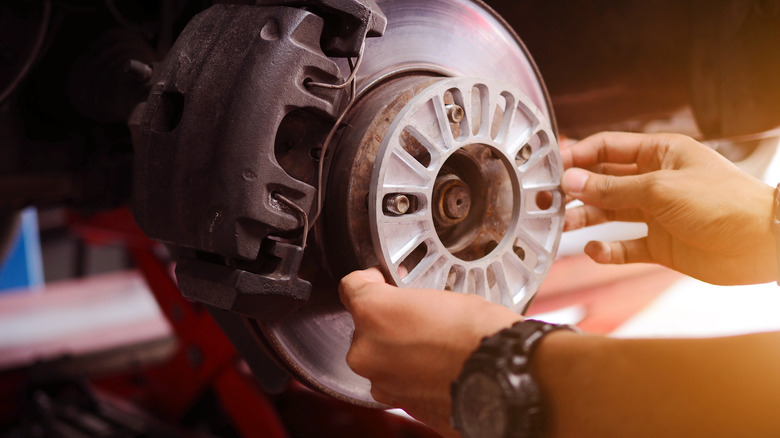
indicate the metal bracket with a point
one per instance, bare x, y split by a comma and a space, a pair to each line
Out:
262, 296
347, 22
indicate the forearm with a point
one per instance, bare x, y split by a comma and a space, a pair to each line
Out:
605, 387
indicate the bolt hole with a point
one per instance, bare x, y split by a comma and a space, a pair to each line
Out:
412, 145
413, 259
454, 279
544, 200
519, 252
523, 155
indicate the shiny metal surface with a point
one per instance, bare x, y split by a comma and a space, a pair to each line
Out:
454, 38
458, 37
509, 247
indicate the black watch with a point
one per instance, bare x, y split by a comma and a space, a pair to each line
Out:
495, 395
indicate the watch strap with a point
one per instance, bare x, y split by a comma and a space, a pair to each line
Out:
506, 356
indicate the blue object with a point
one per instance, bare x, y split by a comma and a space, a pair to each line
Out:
23, 268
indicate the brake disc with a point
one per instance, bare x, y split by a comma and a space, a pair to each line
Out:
444, 171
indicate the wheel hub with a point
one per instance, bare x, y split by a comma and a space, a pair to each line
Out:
452, 199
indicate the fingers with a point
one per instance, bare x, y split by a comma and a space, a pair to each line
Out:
615, 169
608, 147
645, 150
586, 216
620, 252
370, 275
383, 397
605, 191
352, 283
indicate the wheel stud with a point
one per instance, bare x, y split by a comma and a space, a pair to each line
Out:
454, 113
396, 204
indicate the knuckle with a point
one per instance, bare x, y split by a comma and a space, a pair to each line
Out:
345, 285
367, 306
358, 309
380, 396
656, 186
356, 359
620, 253
606, 186
348, 279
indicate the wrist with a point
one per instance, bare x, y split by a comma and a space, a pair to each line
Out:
758, 259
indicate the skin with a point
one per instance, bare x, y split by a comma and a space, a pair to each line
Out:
705, 218
409, 360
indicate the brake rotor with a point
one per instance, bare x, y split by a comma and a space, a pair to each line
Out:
445, 172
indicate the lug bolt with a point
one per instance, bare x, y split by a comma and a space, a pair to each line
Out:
523, 155
396, 204
454, 112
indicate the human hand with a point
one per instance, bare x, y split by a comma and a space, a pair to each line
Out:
705, 217
412, 343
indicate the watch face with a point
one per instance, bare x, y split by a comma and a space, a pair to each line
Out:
481, 408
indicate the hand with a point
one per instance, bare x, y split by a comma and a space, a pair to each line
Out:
705, 217
412, 343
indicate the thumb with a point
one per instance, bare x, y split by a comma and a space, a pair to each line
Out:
604, 191
352, 283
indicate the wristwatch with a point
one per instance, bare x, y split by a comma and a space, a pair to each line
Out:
495, 396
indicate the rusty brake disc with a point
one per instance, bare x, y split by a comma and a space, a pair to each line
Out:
446, 163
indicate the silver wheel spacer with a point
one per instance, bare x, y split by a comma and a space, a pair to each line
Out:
513, 237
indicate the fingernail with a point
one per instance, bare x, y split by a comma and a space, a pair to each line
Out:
574, 180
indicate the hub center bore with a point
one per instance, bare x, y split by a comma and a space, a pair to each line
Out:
453, 200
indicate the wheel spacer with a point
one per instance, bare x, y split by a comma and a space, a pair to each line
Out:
506, 150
